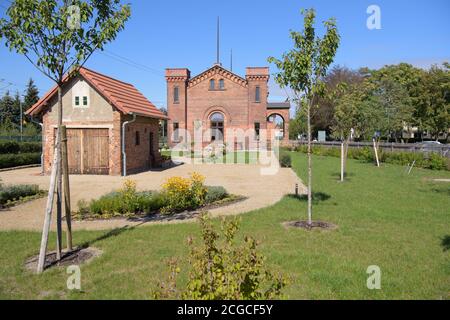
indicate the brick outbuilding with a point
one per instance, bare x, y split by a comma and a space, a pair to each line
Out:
109, 124
218, 100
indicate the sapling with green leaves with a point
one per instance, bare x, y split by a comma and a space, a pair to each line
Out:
58, 37
302, 70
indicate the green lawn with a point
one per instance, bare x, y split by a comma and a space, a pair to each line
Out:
400, 223
241, 157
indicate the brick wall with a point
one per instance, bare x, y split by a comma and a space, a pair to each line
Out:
138, 156
236, 101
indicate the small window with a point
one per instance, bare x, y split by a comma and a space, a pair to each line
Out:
85, 101
77, 101
176, 95
138, 138
212, 84
257, 129
176, 133
221, 84
258, 94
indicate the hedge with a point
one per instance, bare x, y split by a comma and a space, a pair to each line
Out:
431, 161
14, 147
17, 160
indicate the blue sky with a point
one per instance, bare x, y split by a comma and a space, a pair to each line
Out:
178, 33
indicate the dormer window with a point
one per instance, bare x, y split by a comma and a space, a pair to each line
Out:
222, 84
212, 84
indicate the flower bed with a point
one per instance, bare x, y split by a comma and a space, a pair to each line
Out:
177, 195
11, 195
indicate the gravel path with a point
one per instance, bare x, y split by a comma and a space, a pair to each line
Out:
240, 179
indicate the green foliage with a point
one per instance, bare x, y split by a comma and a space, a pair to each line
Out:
223, 270
46, 32
14, 147
433, 102
128, 201
17, 160
285, 160
431, 161
182, 193
215, 193
17, 192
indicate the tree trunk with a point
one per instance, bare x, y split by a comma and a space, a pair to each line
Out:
309, 164
59, 179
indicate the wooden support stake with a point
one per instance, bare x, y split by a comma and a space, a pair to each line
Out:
67, 206
342, 162
48, 215
376, 152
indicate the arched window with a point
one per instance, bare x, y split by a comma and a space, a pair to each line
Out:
217, 126
276, 123
212, 84
221, 84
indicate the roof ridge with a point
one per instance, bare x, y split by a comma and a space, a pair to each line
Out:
106, 76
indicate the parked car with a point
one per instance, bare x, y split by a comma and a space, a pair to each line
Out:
430, 146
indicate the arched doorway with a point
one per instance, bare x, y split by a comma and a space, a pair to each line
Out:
276, 123
217, 121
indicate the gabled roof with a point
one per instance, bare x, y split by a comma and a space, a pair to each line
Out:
121, 95
217, 69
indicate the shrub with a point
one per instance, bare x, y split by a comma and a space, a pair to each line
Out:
223, 270
215, 193
14, 147
437, 162
16, 192
182, 193
9, 147
17, 160
285, 161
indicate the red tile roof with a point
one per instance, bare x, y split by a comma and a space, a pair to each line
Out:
123, 96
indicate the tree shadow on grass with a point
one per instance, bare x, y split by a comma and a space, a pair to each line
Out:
347, 175
317, 197
110, 234
446, 243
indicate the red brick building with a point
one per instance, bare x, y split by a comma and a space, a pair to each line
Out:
111, 127
219, 100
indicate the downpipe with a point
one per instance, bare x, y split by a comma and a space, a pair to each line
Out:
124, 154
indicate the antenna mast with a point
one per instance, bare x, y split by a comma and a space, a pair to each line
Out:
218, 40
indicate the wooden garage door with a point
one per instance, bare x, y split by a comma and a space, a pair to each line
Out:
88, 151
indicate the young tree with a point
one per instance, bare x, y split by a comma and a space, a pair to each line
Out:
57, 37
302, 70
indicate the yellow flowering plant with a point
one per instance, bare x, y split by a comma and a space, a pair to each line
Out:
184, 193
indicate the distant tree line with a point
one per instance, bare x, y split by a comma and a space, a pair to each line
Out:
10, 106
394, 102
